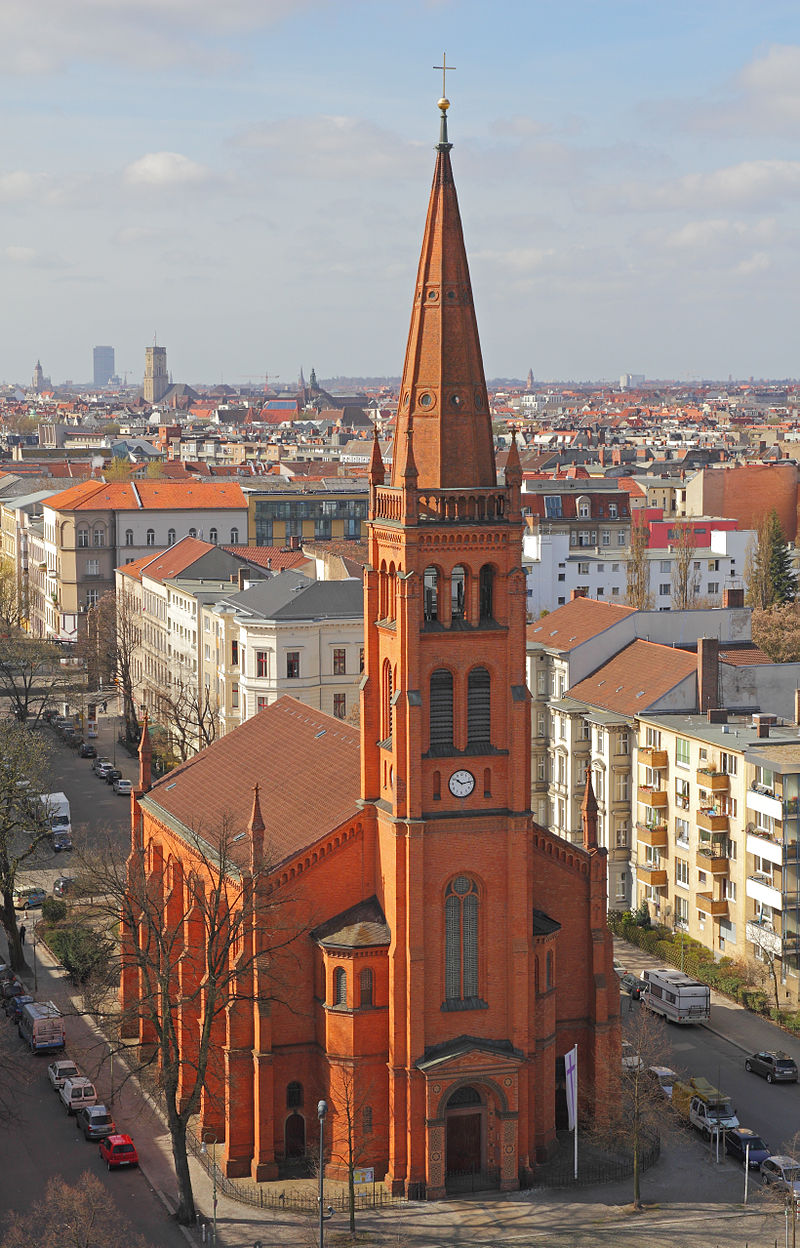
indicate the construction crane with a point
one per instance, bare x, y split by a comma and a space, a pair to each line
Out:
258, 376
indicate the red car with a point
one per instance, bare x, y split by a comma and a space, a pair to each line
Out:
118, 1150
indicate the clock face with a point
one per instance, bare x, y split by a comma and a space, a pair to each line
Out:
462, 783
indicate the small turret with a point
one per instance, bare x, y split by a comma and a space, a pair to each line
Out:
145, 758
256, 829
589, 814
377, 470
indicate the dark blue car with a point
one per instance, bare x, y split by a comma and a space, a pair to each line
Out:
736, 1143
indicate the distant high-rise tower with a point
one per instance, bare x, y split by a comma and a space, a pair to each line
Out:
38, 377
103, 365
156, 377
530, 378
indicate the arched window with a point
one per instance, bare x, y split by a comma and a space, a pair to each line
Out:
365, 987
193, 532
479, 714
340, 986
83, 537
458, 593
461, 939
486, 593
387, 708
99, 537
170, 537
366, 1121
234, 537
294, 1095
151, 537
441, 711
212, 535
463, 1097
430, 594
391, 611
129, 537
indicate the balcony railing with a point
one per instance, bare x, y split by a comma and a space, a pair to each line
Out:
711, 820
444, 506
716, 781
651, 796
651, 757
650, 874
764, 936
654, 835
717, 907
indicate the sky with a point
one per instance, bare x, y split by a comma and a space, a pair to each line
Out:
248, 180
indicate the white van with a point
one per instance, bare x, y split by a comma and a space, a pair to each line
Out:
76, 1093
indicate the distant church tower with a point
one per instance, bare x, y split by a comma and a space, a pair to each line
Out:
38, 378
530, 379
156, 377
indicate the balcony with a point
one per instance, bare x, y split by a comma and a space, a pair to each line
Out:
656, 877
652, 757
652, 797
765, 802
764, 845
655, 836
716, 907
715, 861
760, 888
711, 821
715, 781
763, 936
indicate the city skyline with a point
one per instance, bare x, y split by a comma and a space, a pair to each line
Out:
244, 180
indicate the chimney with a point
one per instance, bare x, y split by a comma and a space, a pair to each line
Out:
577, 593
762, 724
717, 715
733, 597
242, 578
707, 673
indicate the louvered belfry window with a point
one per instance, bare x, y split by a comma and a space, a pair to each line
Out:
441, 711
479, 717
461, 939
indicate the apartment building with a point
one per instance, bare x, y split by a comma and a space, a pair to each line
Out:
717, 833
284, 635
591, 512
334, 507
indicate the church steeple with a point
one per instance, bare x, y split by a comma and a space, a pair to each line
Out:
444, 388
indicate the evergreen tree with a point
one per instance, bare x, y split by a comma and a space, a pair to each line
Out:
781, 574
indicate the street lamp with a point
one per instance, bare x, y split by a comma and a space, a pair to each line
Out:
204, 1151
322, 1110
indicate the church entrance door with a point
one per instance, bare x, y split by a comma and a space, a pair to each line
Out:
466, 1141
295, 1137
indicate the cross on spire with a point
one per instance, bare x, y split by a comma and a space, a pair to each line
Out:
444, 68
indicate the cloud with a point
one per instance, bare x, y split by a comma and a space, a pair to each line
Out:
750, 184
19, 185
166, 170
21, 255
28, 257
329, 146
720, 232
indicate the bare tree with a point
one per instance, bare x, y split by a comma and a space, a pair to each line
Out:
71, 1216
118, 469
777, 631
197, 942
764, 969
32, 678
23, 822
684, 582
190, 716
113, 633
12, 607
352, 1099
638, 569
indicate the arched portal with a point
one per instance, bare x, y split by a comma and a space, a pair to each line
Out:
295, 1136
466, 1134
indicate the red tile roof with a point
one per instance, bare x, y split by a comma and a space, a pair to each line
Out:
275, 557
154, 495
744, 656
575, 622
305, 762
636, 677
171, 562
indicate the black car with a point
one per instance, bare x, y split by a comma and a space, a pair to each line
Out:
632, 984
87, 750
774, 1065
741, 1142
112, 774
13, 1006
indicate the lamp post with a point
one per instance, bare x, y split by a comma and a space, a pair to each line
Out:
324, 1214
35, 969
204, 1151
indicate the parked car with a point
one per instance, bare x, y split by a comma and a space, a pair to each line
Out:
77, 1092
63, 885
630, 1058
740, 1139
619, 969
11, 988
87, 750
783, 1173
122, 786
118, 1150
103, 770
775, 1065
13, 1005
58, 1072
112, 774
95, 1122
32, 895
101, 761
632, 984
664, 1077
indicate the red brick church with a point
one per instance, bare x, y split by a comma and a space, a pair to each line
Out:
449, 951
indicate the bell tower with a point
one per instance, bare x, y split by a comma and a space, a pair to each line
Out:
445, 716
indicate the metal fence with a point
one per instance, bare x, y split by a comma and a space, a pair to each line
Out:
596, 1167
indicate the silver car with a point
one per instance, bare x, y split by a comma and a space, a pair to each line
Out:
783, 1173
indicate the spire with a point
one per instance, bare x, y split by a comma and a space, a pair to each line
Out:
444, 388
513, 466
410, 473
256, 835
589, 814
145, 758
377, 470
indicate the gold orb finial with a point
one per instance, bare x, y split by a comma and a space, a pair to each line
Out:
444, 104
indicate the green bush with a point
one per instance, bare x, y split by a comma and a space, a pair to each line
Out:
54, 910
80, 949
